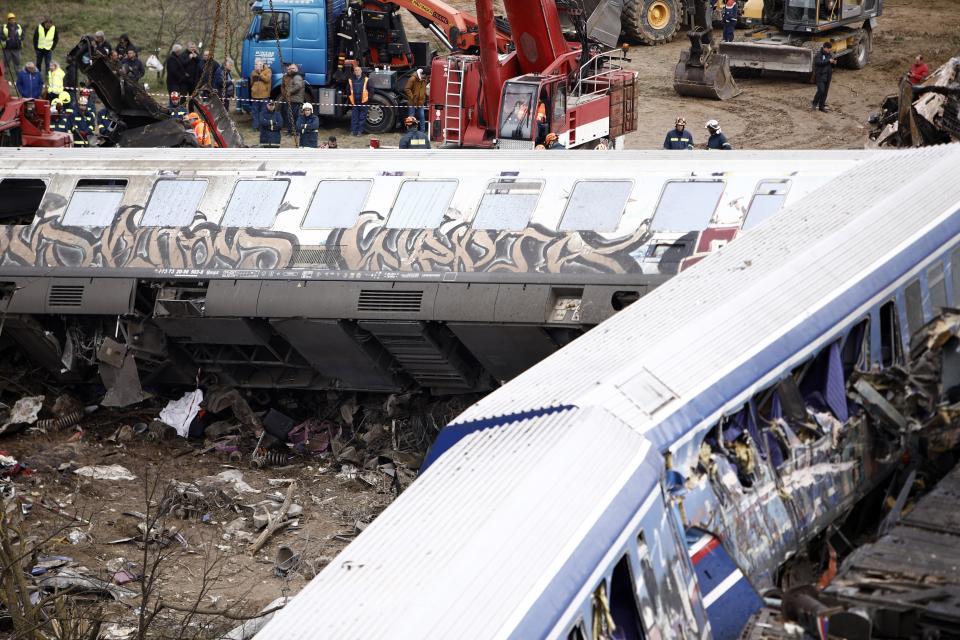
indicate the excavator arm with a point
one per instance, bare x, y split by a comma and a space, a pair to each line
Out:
458, 30
702, 71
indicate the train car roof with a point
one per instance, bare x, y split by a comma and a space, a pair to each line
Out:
493, 540
794, 277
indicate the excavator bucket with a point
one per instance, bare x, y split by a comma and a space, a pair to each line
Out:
703, 73
603, 23
766, 56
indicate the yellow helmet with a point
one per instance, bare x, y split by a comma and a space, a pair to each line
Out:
11, 16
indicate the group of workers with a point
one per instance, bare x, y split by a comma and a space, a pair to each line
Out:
680, 139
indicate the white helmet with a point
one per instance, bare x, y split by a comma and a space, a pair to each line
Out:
713, 126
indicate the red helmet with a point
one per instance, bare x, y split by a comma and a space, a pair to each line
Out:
174, 96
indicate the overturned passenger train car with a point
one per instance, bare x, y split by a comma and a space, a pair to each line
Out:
351, 269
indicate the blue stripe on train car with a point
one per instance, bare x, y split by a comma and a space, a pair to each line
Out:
729, 598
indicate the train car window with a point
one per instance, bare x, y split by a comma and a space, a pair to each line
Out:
596, 205
421, 204
94, 203
337, 204
508, 205
255, 203
938, 287
891, 350
624, 607
173, 203
20, 199
856, 349
767, 200
687, 206
914, 299
823, 385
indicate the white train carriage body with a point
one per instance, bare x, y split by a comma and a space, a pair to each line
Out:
494, 539
447, 271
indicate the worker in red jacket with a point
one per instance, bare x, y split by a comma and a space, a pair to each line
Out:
918, 71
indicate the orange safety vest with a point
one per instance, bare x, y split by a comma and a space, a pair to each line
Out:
541, 112
202, 132
365, 97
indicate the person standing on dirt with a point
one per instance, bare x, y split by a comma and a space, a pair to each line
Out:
307, 127
261, 84
823, 64
678, 138
12, 43
416, 92
359, 99
294, 92
731, 13
271, 123
918, 71
45, 39
717, 139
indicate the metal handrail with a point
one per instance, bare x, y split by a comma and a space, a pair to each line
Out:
607, 72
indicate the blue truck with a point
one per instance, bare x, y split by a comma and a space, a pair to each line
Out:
325, 39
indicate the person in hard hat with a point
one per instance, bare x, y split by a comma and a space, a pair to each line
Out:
83, 125
11, 39
731, 13
55, 81
175, 108
271, 123
416, 92
45, 38
200, 129
678, 138
551, 142
717, 139
57, 121
307, 127
413, 138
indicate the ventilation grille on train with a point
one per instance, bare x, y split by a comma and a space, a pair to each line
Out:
316, 256
65, 295
390, 300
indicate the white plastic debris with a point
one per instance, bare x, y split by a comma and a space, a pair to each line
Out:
180, 413
106, 472
233, 477
24, 411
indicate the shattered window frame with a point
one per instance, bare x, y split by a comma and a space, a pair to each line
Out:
321, 201
258, 206
631, 591
425, 210
20, 184
913, 301
95, 196
891, 342
683, 209
182, 218
749, 220
502, 190
937, 286
591, 215
862, 361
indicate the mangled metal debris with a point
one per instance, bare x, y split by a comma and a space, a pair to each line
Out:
921, 115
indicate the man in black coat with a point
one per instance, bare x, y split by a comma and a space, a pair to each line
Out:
191, 69
174, 66
823, 64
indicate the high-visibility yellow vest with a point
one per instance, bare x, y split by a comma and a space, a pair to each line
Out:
45, 38
55, 80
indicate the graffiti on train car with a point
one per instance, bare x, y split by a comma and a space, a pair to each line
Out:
456, 246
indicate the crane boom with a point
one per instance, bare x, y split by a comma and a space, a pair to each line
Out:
458, 30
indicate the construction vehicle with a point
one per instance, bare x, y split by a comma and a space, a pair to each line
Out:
547, 84
325, 38
790, 32
25, 122
703, 71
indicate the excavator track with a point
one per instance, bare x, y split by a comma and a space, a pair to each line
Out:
652, 22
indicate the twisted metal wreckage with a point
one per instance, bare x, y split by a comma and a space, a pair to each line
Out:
923, 114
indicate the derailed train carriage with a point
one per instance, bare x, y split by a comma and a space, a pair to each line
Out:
385, 271
656, 476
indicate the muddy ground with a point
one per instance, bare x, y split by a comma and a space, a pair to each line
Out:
774, 113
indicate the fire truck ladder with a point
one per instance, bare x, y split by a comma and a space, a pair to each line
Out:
453, 102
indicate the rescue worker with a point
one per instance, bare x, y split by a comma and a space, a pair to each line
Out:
57, 122
717, 139
55, 81
678, 138
132, 66
823, 64
918, 71
413, 138
261, 83
83, 125
294, 93
12, 43
176, 109
200, 129
29, 82
307, 127
543, 127
416, 92
45, 38
731, 13
551, 142
359, 101
271, 123
66, 110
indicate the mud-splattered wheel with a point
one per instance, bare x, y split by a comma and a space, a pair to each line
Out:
858, 57
651, 21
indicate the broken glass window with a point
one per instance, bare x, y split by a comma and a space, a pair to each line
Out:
421, 204
255, 203
687, 206
596, 205
20, 199
337, 204
508, 205
173, 203
856, 349
94, 203
767, 200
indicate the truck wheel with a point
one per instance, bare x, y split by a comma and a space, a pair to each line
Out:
651, 21
381, 114
857, 59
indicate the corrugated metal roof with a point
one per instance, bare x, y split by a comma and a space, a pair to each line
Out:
465, 551
701, 323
